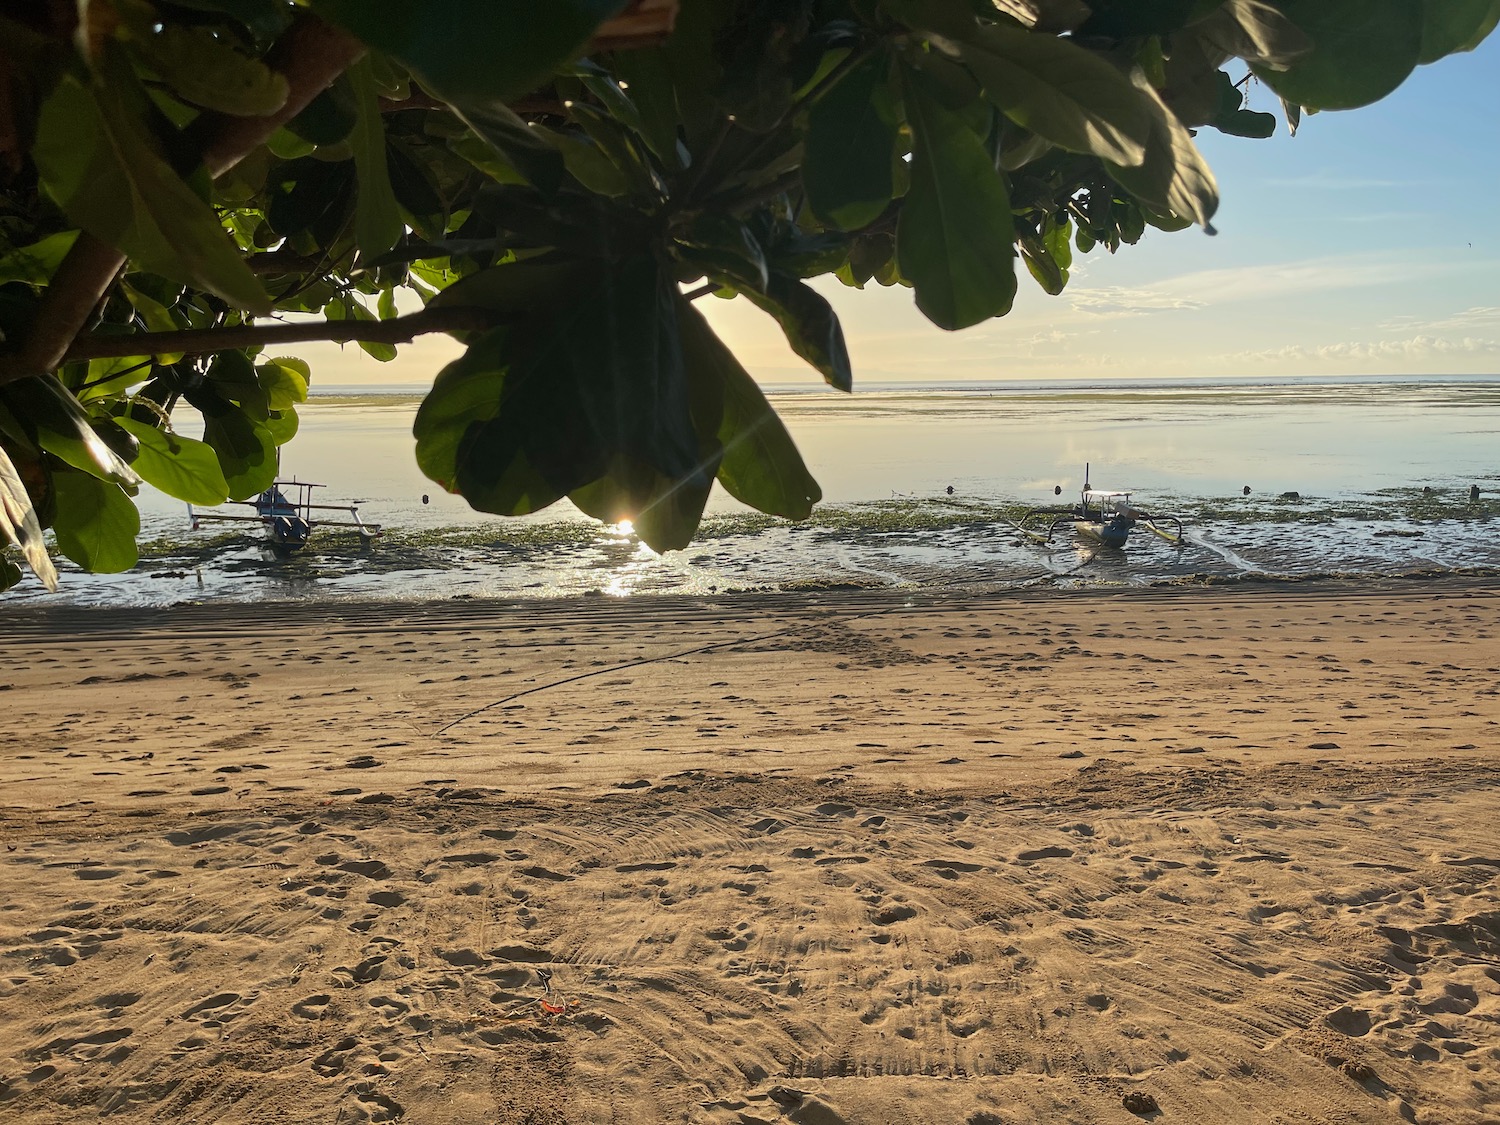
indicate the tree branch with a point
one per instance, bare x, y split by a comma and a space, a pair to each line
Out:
311, 55
197, 341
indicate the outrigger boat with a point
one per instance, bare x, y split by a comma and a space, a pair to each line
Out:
285, 511
1100, 517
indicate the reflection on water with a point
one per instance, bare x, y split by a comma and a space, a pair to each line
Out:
1382, 469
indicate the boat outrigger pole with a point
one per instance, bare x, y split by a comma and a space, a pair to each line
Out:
1101, 517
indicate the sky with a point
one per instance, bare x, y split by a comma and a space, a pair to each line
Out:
1368, 244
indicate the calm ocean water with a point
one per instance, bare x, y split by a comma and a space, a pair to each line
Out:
1383, 469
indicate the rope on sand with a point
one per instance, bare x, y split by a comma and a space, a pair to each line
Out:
1045, 576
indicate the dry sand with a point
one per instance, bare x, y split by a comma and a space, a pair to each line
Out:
868, 858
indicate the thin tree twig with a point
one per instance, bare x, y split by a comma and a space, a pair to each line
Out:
197, 341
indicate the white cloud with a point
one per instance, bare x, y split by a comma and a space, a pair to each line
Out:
1205, 288
1479, 316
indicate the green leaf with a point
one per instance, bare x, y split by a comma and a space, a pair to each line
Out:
812, 327
1059, 91
64, 429
10, 573
468, 392
1048, 256
592, 167
851, 137
348, 308
514, 288
1254, 31
35, 264
760, 465
528, 149
1121, 19
265, 19
377, 218
19, 523
624, 150
954, 240
1174, 177
232, 377
181, 467
724, 248
282, 425
96, 523
1450, 26
204, 70
644, 74
330, 117
101, 164
245, 447
587, 388
284, 380
461, 49
1362, 50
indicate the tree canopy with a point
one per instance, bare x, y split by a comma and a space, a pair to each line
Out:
189, 186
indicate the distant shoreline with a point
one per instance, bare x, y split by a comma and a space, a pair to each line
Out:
364, 392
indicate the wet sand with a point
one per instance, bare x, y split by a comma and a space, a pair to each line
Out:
844, 857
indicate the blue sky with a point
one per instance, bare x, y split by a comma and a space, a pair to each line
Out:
1367, 244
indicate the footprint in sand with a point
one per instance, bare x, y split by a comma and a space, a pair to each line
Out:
219, 1009
890, 915
376, 1106
366, 971
335, 1059
1053, 852
312, 1007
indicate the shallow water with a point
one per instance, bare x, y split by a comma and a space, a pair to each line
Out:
1382, 469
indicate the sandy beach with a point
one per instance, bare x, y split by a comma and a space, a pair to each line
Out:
1189, 854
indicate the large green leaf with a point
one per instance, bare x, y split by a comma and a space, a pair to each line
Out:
525, 148
246, 448
760, 465
851, 138
1449, 26
515, 288
96, 523
1255, 31
1174, 177
377, 218
98, 160
63, 428
264, 18
664, 509
1121, 19
645, 75
812, 327
232, 377
955, 239
463, 49
36, 263
465, 392
204, 70
19, 523
725, 249
181, 467
1059, 91
330, 117
284, 380
587, 388
1362, 50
